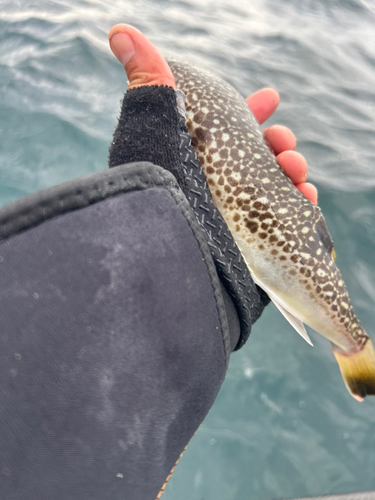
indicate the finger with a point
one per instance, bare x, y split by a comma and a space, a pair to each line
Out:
294, 165
143, 63
308, 190
280, 138
263, 103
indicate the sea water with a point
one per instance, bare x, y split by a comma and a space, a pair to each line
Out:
283, 424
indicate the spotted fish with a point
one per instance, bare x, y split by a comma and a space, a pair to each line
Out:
282, 236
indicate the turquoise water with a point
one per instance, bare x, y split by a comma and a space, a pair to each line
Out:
283, 424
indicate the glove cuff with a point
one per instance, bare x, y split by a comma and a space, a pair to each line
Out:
147, 130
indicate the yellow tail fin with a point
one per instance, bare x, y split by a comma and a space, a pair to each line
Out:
358, 370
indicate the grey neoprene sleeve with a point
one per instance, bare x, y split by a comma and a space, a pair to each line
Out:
119, 311
111, 337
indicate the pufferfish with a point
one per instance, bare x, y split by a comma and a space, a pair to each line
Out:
282, 236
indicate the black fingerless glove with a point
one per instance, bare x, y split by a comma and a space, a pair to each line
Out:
152, 127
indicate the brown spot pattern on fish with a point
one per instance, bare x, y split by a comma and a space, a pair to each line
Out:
264, 203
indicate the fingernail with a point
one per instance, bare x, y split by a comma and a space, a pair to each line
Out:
123, 47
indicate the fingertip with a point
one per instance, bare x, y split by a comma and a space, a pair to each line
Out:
143, 63
263, 103
294, 165
308, 190
118, 28
280, 138
125, 29
122, 47
272, 96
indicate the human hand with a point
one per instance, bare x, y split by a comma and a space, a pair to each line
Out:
150, 128
263, 104
144, 65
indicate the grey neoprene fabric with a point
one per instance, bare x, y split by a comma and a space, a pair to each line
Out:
115, 329
111, 342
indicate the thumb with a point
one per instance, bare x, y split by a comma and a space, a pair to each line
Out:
143, 63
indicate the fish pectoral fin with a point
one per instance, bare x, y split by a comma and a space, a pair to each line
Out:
295, 322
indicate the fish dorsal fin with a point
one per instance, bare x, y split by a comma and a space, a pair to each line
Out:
296, 323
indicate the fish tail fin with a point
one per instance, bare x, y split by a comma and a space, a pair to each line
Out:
358, 370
